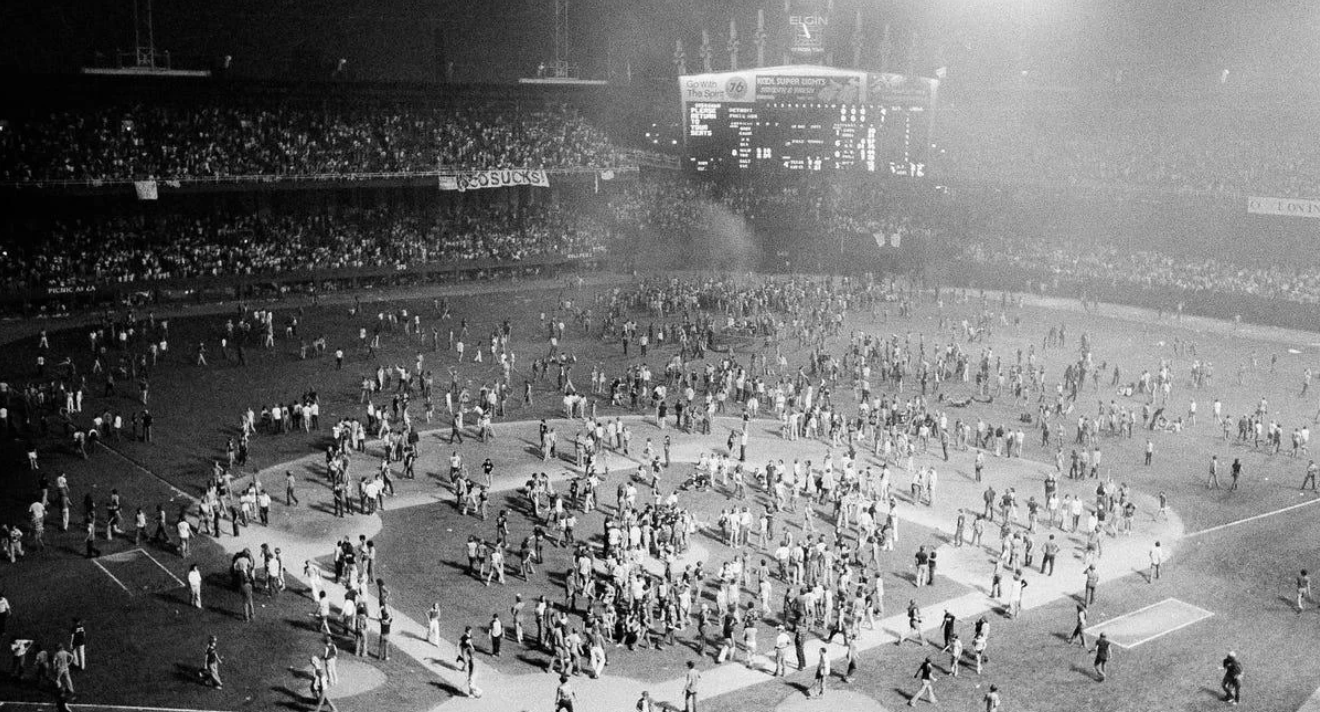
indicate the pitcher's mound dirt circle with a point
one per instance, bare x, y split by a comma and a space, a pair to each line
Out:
355, 677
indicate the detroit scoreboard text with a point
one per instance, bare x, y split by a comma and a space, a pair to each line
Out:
807, 118
807, 137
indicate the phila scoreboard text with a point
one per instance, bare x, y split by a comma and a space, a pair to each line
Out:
807, 118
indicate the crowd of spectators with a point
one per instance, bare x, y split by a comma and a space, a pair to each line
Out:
1111, 265
171, 143
677, 206
1174, 149
1168, 147
132, 249
143, 248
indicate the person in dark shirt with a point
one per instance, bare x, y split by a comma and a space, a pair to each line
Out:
78, 644
799, 647
1050, 551
1102, 652
949, 628
925, 673
1078, 632
211, 669
1232, 682
386, 623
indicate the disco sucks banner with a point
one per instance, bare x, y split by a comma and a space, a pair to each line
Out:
478, 180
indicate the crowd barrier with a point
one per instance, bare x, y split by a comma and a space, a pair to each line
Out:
625, 164
50, 300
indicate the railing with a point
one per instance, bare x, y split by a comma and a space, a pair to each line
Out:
625, 163
1103, 189
653, 160
216, 288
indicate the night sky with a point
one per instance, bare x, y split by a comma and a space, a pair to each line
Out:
1062, 41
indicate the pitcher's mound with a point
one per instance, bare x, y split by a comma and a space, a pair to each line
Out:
355, 677
695, 552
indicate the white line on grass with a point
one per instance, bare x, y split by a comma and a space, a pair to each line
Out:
1129, 614
1198, 619
1252, 518
125, 708
162, 566
125, 556
1095, 629
134, 463
114, 578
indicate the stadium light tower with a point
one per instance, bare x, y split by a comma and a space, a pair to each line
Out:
144, 36
144, 60
560, 69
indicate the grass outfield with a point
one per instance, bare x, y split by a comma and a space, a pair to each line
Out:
1241, 574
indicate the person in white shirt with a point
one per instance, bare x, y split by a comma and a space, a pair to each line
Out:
37, 510
19, 647
1015, 596
274, 574
185, 536
782, 641
263, 507
1156, 560
4, 614
314, 576
194, 587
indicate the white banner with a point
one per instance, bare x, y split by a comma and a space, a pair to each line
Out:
146, 189
1292, 207
495, 179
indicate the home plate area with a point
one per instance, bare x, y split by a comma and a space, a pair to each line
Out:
1146, 624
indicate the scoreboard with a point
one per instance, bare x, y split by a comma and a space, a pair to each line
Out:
793, 119
890, 140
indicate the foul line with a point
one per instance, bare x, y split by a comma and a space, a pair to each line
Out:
88, 706
1170, 630
1129, 614
127, 556
139, 465
1312, 703
155, 561
1203, 615
1252, 518
114, 578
